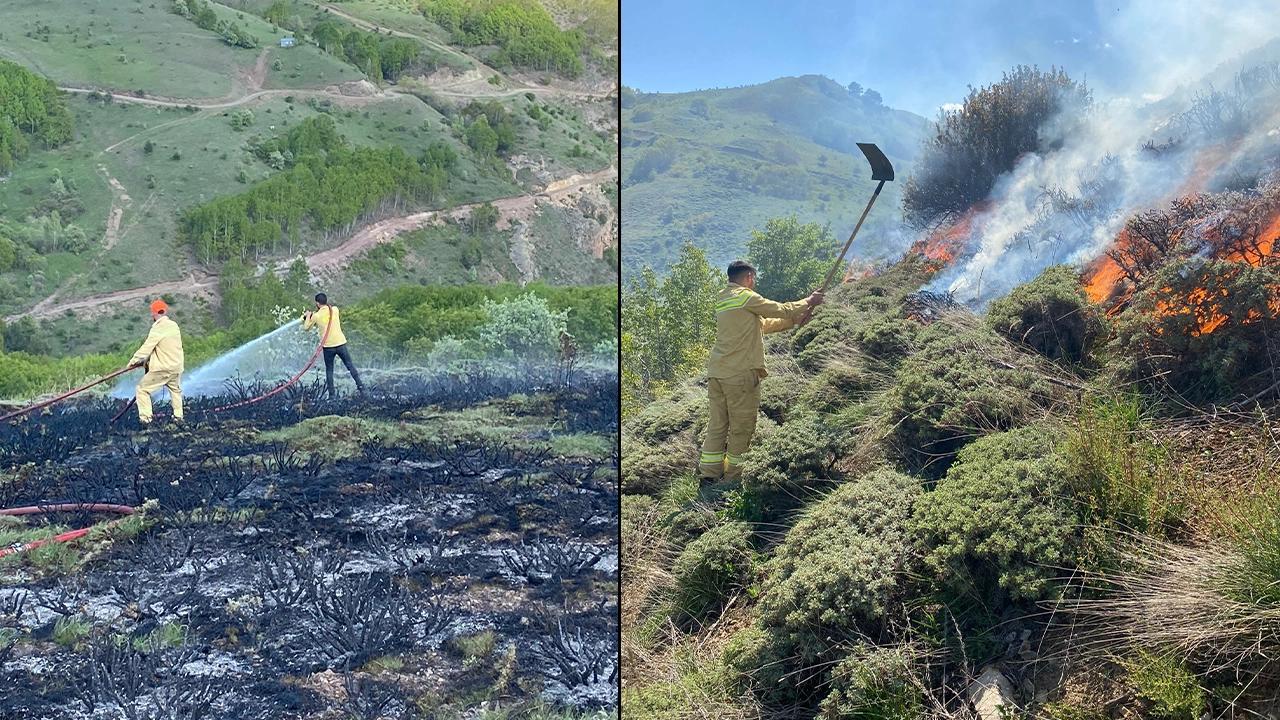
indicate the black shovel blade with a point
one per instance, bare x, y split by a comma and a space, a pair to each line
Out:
881, 168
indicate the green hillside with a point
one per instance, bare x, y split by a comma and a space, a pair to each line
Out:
707, 167
175, 106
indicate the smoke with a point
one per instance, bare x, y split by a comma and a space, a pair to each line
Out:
1068, 205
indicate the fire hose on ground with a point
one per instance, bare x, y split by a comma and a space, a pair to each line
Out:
68, 536
278, 389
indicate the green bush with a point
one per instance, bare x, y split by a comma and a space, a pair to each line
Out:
841, 382
1051, 315
524, 327
996, 527
1118, 476
648, 468
778, 396
755, 656
873, 683
1165, 681
962, 382
662, 418
823, 338
796, 456
839, 568
710, 568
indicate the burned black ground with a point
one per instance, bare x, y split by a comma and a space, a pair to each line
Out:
417, 580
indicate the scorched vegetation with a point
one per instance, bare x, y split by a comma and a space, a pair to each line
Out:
444, 548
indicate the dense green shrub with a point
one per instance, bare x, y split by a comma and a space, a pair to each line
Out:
961, 382
1164, 680
757, 658
796, 455
1051, 315
524, 327
839, 568
996, 527
823, 338
841, 383
778, 396
709, 568
886, 338
873, 683
647, 468
663, 418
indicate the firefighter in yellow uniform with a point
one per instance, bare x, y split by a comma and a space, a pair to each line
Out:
161, 354
736, 367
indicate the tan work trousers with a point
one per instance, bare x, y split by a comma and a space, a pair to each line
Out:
735, 402
153, 381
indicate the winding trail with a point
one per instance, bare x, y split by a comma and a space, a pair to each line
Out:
517, 208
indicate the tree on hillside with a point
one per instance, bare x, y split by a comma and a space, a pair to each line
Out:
973, 146
668, 324
791, 258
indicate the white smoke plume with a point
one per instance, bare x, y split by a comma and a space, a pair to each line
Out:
1068, 205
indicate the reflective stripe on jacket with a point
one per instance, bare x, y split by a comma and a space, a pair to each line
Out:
162, 350
320, 319
742, 318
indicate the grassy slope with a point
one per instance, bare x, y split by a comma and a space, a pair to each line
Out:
694, 201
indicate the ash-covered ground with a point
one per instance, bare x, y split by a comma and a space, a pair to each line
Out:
443, 548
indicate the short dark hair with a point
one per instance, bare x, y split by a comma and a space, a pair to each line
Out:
322, 298
739, 268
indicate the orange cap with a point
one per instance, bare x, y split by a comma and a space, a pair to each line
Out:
159, 306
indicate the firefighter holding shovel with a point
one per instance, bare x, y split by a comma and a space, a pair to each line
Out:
736, 367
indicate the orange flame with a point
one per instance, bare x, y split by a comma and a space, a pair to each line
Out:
941, 246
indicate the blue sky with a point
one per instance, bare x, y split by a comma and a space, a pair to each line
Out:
919, 55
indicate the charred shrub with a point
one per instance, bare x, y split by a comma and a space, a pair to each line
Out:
839, 568
995, 529
710, 568
874, 683
1205, 329
1051, 315
962, 382
973, 147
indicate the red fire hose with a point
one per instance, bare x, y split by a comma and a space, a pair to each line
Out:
64, 396
66, 536
314, 356
280, 388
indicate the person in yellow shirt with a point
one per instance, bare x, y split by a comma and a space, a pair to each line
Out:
335, 343
736, 367
161, 355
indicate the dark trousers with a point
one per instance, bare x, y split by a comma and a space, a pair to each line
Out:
342, 352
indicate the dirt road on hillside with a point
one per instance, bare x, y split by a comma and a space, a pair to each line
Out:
517, 208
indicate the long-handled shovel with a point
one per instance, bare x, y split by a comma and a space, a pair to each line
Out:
882, 170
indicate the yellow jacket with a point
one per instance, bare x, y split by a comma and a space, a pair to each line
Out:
320, 319
162, 350
742, 318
